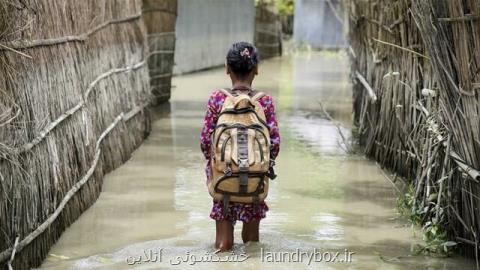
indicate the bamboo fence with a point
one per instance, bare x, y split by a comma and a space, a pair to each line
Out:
268, 31
160, 17
73, 90
416, 66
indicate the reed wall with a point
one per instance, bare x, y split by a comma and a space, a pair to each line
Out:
73, 89
268, 31
416, 66
160, 17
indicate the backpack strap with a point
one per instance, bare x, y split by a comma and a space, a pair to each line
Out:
226, 92
254, 94
226, 204
258, 96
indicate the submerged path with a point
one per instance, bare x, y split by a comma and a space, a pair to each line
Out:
323, 199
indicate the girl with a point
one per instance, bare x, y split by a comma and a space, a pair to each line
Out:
242, 67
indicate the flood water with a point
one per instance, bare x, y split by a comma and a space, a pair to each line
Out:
154, 209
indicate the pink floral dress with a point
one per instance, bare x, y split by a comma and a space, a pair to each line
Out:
238, 211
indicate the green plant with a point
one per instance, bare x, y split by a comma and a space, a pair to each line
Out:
408, 208
434, 236
284, 7
436, 242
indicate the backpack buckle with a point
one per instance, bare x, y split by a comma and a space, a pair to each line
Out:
272, 163
228, 170
271, 172
243, 164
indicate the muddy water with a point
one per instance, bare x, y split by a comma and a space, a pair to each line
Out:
153, 211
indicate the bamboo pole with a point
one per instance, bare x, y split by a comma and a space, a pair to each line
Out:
366, 85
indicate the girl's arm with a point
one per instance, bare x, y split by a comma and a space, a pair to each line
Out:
269, 108
214, 106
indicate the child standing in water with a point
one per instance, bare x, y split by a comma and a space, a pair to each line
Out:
242, 67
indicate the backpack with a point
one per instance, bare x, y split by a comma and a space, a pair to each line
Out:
241, 163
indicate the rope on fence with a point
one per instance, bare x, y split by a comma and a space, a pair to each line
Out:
74, 109
164, 10
4, 255
154, 35
15, 45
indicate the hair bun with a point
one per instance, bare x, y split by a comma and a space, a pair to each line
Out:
242, 58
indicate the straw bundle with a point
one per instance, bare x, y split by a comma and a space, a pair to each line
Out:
160, 17
73, 87
268, 32
417, 70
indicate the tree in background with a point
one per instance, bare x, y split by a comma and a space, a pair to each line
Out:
285, 10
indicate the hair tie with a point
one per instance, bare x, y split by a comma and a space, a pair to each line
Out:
245, 52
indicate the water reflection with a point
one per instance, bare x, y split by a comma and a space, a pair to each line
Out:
323, 198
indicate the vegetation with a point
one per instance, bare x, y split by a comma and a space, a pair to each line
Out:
284, 7
434, 234
416, 108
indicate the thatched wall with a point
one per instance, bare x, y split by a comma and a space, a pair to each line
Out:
73, 86
268, 31
160, 17
417, 68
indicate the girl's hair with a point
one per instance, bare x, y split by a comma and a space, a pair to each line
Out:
242, 58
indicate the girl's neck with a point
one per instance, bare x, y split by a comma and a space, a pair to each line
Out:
241, 85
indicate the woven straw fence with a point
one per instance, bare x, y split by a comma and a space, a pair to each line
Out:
268, 31
73, 89
416, 66
160, 17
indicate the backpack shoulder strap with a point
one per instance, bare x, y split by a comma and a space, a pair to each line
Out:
226, 92
258, 95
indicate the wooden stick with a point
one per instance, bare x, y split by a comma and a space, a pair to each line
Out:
466, 241
15, 51
401, 48
74, 38
462, 164
337, 125
13, 253
388, 178
443, 177
466, 18
367, 86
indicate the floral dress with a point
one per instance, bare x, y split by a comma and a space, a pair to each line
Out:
238, 211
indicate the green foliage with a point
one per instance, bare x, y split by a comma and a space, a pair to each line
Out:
436, 241
407, 207
435, 238
284, 7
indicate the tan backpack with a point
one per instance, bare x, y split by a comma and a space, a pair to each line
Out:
241, 151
